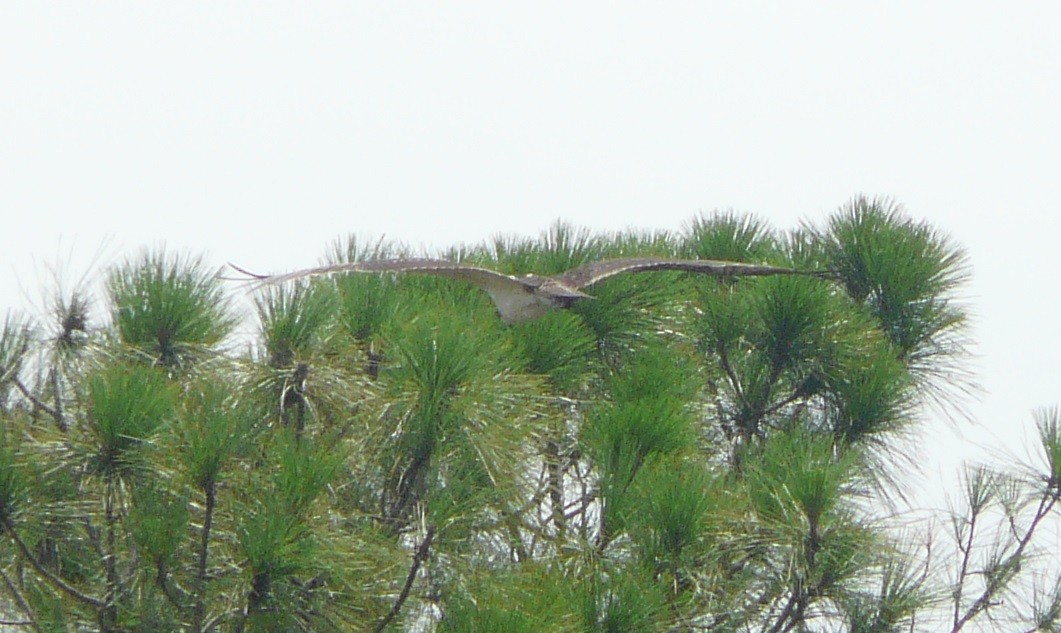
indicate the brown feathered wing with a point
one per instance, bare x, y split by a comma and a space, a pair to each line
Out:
593, 272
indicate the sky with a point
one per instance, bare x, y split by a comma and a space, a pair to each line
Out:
260, 132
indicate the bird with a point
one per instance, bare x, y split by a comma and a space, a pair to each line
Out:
528, 297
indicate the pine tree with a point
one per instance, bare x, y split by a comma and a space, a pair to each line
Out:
682, 453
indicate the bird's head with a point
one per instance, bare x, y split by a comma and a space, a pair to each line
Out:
559, 294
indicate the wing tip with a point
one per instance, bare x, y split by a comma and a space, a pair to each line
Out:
246, 274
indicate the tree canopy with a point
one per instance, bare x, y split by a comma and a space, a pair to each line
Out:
681, 453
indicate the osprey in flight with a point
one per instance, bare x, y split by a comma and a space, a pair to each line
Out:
530, 296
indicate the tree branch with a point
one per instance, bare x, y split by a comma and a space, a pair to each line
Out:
723, 359
963, 571
199, 614
55, 580
995, 584
169, 589
785, 619
418, 560
20, 600
37, 402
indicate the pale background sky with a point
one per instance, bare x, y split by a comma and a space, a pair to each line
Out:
259, 132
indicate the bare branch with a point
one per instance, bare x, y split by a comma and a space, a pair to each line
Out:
418, 560
37, 402
995, 583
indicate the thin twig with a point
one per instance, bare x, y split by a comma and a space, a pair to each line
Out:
58, 415
963, 571
20, 600
723, 359
168, 588
993, 586
199, 613
418, 560
56, 581
37, 402
786, 613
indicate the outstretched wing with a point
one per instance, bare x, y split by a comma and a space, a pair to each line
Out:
509, 294
593, 272
482, 277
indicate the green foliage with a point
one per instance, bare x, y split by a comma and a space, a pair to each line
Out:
437, 360
278, 532
168, 307
642, 417
798, 479
793, 312
623, 310
560, 248
159, 523
462, 420
14, 485
647, 416
126, 407
619, 603
212, 428
680, 453
303, 470
871, 400
906, 273
558, 346
677, 502
1049, 423
294, 320
368, 304
526, 599
15, 338
1046, 608
729, 237
53, 615
893, 605
277, 545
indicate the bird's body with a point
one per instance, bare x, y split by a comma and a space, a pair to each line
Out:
529, 297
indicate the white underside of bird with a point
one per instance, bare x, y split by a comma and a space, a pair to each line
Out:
531, 298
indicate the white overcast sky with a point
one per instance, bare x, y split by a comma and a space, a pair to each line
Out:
259, 132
